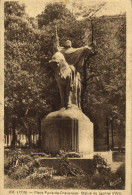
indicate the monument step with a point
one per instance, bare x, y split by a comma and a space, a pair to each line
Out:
82, 163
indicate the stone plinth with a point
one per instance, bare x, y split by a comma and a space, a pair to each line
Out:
68, 130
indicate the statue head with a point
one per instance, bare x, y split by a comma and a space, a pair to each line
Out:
68, 44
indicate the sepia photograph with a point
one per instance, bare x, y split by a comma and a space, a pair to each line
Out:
65, 101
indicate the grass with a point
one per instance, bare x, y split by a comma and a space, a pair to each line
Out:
61, 182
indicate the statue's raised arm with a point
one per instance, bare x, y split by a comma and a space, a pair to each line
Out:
56, 45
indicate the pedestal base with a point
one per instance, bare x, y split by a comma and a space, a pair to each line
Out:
68, 130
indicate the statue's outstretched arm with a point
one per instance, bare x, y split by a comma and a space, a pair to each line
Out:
56, 45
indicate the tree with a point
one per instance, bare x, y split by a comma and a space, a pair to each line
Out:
106, 92
52, 12
24, 77
30, 87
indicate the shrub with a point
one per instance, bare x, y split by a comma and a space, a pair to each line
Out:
42, 173
18, 162
20, 166
100, 165
24, 159
69, 154
20, 172
68, 169
73, 155
32, 165
10, 164
48, 170
40, 154
100, 173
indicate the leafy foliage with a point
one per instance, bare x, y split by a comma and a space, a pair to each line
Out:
105, 79
20, 172
69, 154
16, 161
24, 77
54, 12
100, 165
30, 87
100, 176
68, 169
42, 173
20, 166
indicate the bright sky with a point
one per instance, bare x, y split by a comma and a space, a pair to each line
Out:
112, 7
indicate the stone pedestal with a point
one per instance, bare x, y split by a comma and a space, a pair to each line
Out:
68, 130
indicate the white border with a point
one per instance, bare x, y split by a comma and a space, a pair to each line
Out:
127, 191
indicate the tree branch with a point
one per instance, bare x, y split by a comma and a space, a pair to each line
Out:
92, 76
118, 57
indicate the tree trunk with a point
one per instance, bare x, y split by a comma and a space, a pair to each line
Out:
7, 138
13, 142
39, 130
107, 130
112, 130
29, 137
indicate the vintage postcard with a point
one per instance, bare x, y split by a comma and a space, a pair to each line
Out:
65, 97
